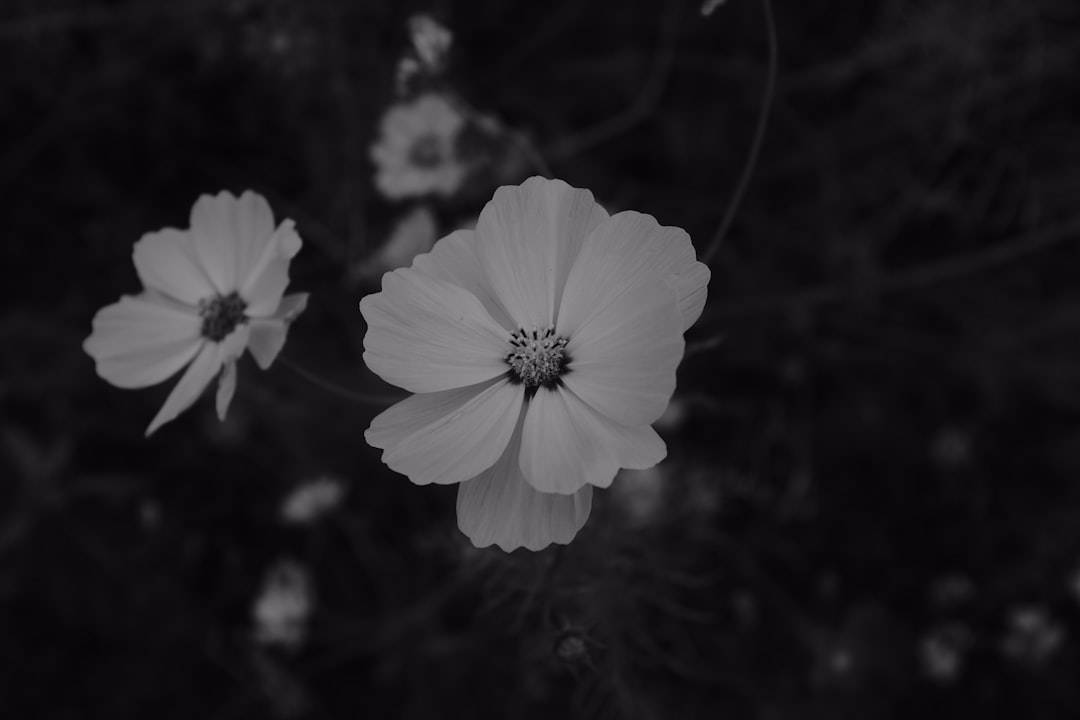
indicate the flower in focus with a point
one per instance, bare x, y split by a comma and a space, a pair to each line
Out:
416, 152
210, 292
540, 348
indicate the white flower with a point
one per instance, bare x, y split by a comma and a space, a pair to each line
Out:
540, 347
210, 292
307, 502
416, 151
281, 611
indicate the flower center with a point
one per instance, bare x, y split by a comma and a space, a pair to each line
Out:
539, 356
221, 314
426, 152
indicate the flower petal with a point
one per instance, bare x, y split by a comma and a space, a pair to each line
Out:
138, 342
623, 359
450, 436
426, 335
226, 388
165, 261
194, 381
529, 236
268, 334
562, 445
627, 249
269, 275
213, 239
232, 347
499, 507
453, 259
566, 444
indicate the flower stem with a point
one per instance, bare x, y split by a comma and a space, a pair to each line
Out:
362, 398
759, 137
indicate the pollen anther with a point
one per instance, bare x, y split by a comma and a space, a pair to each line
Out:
538, 356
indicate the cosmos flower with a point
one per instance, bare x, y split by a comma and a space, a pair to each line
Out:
540, 348
210, 292
416, 152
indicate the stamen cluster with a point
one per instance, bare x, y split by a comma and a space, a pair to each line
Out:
539, 356
221, 314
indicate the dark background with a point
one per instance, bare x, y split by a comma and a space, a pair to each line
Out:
878, 464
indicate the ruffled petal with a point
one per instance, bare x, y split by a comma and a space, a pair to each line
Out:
138, 342
566, 444
232, 347
426, 335
165, 262
562, 445
623, 359
268, 277
529, 236
213, 239
268, 334
194, 381
226, 388
449, 436
627, 249
453, 259
499, 507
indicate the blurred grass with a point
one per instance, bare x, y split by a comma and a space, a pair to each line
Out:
894, 400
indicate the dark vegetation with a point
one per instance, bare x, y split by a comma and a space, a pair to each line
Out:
871, 506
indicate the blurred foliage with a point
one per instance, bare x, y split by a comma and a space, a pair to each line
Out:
877, 461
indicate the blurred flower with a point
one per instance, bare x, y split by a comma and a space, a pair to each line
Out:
283, 606
431, 43
210, 292
640, 493
1032, 636
311, 500
416, 151
414, 234
942, 651
540, 347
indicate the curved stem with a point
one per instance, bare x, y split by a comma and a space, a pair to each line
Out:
362, 398
759, 137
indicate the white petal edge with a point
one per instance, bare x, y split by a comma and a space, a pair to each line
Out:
627, 249
213, 240
139, 341
499, 507
453, 259
567, 445
165, 261
268, 335
425, 335
231, 349
623, 362
528, 239
267, 279
191, 385
448, 437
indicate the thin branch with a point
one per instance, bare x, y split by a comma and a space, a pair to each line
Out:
759, 137
642, 106
362, 398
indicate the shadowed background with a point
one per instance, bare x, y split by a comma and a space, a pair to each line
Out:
870, 506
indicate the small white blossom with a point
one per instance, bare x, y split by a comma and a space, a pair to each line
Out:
210, 293
416, 153
942, 651
281, 611
311, 500
1033, 635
